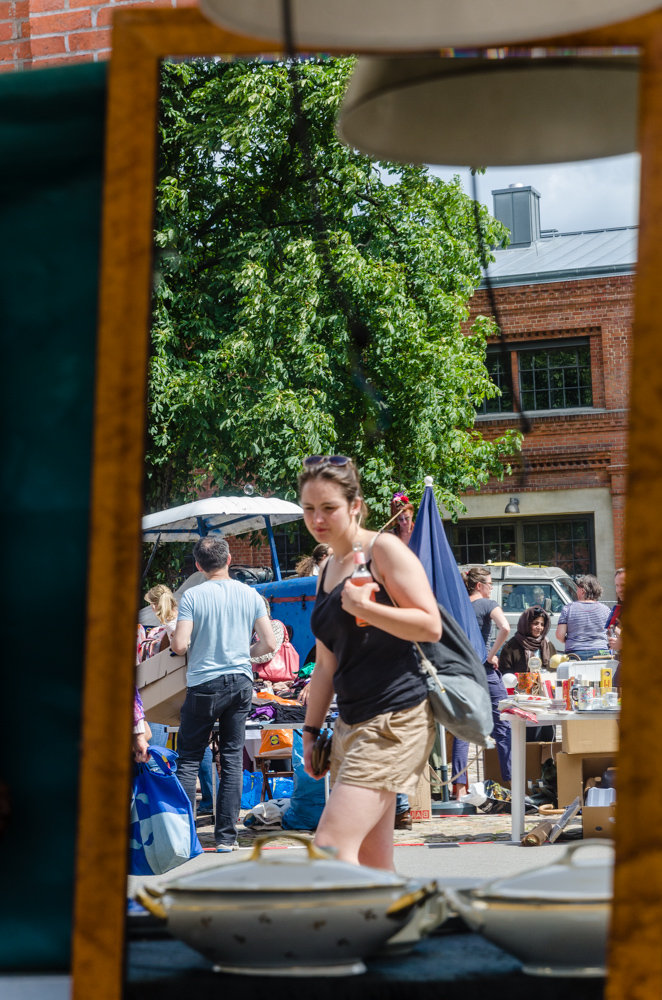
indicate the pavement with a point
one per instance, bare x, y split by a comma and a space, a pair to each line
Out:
450, 864
450, 849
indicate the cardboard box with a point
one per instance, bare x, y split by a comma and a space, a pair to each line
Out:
574, 771
420, 803
597, 821
161, 681
568, 778
536, 753
586, 736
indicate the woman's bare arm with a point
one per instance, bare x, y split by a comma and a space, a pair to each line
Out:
417, 616
503, 626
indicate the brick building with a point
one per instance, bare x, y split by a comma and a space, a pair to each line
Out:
565, 302
38, 33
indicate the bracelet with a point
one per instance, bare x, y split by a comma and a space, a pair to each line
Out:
313, 730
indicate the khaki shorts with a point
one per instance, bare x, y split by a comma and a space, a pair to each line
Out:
387, 752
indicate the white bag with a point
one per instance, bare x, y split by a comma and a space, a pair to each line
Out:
267, 814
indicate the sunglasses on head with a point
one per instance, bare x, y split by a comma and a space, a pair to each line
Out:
313, 460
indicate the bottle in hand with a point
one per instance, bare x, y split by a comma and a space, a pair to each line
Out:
360, 575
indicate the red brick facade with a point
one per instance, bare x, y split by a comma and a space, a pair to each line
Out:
245, 554
38, 33
571, 450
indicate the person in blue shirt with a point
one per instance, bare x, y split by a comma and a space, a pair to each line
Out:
215, 623
583, 624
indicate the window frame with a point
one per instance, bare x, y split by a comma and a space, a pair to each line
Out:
500, 352
519, 348
518, 523
292, 540
547, 346
141, 38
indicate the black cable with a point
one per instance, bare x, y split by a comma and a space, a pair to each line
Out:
358, 330
151, 559
525, 423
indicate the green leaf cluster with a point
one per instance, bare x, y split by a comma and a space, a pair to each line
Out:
307, 300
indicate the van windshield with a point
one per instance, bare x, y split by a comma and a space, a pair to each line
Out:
517, 597
568, 586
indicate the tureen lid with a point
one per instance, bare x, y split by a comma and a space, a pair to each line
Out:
569, 878
317, 870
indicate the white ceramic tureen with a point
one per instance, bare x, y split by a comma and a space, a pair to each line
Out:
289, 915
555, 919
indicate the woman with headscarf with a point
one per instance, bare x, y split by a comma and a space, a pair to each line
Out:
529, 640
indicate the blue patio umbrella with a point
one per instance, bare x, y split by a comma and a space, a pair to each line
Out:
430, 544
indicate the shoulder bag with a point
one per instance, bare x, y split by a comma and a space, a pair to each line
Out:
456, 681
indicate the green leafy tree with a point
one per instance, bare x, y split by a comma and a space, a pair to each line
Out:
307, 299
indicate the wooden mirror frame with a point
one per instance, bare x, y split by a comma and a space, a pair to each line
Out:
141, 39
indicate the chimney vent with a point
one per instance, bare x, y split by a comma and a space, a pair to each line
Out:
518, 208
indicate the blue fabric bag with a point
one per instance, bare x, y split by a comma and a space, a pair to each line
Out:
281, 788
162, 832
251, 789
307, 799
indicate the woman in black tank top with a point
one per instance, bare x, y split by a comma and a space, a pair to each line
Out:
385, 729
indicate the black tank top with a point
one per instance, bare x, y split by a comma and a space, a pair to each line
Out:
377, 672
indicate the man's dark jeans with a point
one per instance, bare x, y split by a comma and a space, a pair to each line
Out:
228, 699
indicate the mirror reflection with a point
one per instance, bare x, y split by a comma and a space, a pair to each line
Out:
413, 375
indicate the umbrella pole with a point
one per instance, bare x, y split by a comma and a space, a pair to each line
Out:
448, 806
445, 794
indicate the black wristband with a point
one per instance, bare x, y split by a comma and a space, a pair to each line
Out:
313, 730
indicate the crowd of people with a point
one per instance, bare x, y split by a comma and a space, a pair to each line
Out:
586, 628
384, 730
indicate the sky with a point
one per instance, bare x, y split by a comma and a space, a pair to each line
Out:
592, 194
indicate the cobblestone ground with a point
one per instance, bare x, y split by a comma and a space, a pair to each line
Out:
443, 829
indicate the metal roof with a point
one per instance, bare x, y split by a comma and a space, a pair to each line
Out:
561, 256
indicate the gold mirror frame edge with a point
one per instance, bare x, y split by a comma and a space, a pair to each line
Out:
141, 38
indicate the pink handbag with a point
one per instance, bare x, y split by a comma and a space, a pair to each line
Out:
283, 666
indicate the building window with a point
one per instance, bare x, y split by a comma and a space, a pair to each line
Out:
566, 543
482, 543
555, 378
292, 541
498, 365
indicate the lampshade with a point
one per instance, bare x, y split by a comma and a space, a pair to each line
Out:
418, 24
491, 112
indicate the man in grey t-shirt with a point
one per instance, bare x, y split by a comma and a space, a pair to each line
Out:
218, 618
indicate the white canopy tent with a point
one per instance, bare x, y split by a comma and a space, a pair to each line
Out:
221, 516
218, 516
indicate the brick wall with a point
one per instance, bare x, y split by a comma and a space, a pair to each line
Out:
245, 554
38, 33
570, 451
